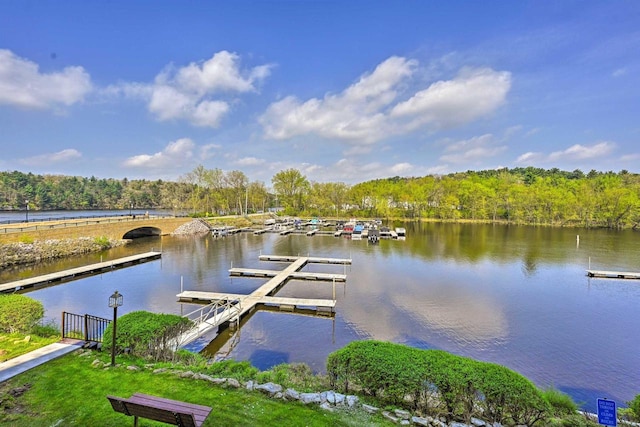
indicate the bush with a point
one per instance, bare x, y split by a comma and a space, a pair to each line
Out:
436, 381
46, 331
19, 313
634, 408
148, 335
560, 403
103, 242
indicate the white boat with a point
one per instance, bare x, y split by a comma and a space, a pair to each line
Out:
401, 232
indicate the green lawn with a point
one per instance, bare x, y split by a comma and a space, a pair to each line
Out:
69, 391
14, 345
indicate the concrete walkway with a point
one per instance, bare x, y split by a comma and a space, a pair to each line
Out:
20, 364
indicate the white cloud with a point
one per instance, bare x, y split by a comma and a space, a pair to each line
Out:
249, 161
630, 158
220, 73
472, 150
401, 168
620, 72
574, 153
369, 110
195, 92
175, 154
472, 94
22, 84
63, 156
529, 157
581, 152
354, 114
207, 151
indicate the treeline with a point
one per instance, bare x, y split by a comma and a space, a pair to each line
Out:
521, 196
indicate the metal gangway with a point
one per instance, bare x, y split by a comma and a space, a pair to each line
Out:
208, 317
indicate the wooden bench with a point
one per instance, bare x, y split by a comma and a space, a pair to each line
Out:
155, 408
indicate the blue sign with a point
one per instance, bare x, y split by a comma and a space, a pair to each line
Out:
607, 412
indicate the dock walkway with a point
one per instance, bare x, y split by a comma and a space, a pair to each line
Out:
613, 274
236, 306
77, 273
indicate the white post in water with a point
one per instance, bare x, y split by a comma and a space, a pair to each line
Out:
577, 241
334, 288
181, 284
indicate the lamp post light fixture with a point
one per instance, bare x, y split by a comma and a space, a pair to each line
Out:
26, 204
115, 301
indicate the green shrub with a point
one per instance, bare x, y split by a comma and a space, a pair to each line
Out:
26, 239
560, 403
103, 242
634, 409
148, 335
510, 398
46, 330
437, 382
19, 313
243, 371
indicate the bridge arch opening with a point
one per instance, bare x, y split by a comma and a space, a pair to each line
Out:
142, 232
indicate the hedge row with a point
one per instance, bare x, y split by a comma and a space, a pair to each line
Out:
19, 313
148, 335
437, 383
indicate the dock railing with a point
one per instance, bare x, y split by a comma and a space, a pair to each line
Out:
83, 326
214, 314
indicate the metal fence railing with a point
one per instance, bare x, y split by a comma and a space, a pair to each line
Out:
83, 326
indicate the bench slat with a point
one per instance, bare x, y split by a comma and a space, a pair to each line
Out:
145, 399
160, 409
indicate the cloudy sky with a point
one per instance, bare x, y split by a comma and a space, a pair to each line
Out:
342, 91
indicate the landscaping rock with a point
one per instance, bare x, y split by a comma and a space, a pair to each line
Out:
388, 415
402, 414
370, 409
269, 388
352, 400
307, 398
232, 382
327, 406
291, 394
419, 421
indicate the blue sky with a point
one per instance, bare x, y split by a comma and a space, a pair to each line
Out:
341, 90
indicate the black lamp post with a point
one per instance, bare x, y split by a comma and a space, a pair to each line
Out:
115, 301
26, 204
130, 208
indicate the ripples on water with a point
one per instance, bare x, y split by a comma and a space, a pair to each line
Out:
517, 296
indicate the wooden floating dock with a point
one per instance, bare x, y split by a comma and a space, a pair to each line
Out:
233, 307
77, 273
613, 274
310, 260
299, 275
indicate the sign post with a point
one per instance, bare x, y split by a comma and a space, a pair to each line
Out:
607, 412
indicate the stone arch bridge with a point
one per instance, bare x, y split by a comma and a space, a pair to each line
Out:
127, 227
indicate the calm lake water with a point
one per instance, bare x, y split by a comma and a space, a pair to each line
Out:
517, 296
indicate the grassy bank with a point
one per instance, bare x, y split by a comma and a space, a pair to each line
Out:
14, 345
71, 391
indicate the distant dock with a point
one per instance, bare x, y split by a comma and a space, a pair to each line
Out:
77, 273
602, 274
225, 308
